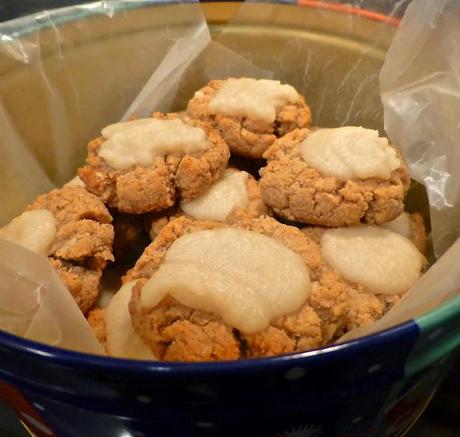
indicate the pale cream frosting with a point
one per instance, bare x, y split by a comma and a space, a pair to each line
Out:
218, 201
400, 225
139, 142
122, 340
381, 260
349, 153
252, 98
247, 278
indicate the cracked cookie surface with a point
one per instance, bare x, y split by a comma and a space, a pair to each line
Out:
300, 193
365, 306
83, 241
171, 329
245, 137
174, 176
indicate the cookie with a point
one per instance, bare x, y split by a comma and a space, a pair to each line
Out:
362, 178
148, 164
176, 331
397, 260
73, 229
250, 114
236, 189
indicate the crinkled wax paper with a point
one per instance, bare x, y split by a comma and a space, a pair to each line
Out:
35, 304
420, 86
335, 45
95, 64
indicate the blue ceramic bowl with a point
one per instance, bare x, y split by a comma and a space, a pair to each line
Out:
377, 385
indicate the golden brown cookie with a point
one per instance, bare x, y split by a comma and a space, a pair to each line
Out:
82, 245
140, 189
299, 192
174, 331
365, 306
246, 137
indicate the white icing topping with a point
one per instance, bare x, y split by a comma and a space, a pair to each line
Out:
251, 98
218, 201
139, 142
122, 340
349, 153
400, 225
247, 278
35, 230
381, 260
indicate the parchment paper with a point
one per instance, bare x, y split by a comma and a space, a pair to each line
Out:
420, 86
36, 305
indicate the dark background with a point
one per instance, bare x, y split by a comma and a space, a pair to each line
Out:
13, 8
441, 419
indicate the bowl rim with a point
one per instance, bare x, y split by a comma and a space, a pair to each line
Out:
91, 362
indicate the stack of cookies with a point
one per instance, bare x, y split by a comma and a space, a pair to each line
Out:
267, 236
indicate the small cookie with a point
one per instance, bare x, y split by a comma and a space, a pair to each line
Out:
380, 266
83, 242
147, 164
73, 228
250, 114
362, 178
178, 332
236, 189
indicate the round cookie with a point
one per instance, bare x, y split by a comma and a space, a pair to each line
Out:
254, 206
248, 137
299, 192
169, 176
178, 333
366, 306
82, 244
